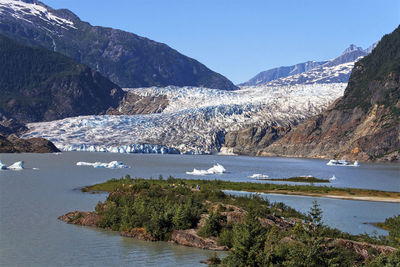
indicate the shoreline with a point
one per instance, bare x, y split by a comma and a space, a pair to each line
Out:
307, 194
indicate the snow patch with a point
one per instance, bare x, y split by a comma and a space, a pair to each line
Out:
24, 11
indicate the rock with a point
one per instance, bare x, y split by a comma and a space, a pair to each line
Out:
362, 249
138, 233
247, 141
14, 144
83, 218
133, 104
190, 238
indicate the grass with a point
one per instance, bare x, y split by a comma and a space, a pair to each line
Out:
310, 190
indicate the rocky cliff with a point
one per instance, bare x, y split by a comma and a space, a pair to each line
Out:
125, 58
364, 124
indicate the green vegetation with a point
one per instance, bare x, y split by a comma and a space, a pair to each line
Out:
392, 225
311, 190
161, 206
377, 66
37, 84
262, 234
299, 179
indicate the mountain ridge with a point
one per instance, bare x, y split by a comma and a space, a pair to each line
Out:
350, 54
125, 58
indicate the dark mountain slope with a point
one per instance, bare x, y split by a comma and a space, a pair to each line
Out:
40, 85
125, 58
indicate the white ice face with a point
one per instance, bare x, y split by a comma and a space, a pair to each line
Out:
192, 119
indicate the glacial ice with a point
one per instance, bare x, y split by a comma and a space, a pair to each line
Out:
2, 166
19, 165
110, 165
258, 176
194, 119
216, 169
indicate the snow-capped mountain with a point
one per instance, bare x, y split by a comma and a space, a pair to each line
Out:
281, 72
125, 58
195, 120
308, 72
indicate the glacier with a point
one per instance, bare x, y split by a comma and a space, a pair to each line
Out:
194, 122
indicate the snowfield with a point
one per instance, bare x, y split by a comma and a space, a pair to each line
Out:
28, 11
194, 121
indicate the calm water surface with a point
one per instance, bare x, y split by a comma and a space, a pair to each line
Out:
31, 200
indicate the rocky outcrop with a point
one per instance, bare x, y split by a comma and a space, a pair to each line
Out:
138, 233
362, 249
83, 218
192, 239
248, 141
10, 125
133, 104
125, 58
14, 144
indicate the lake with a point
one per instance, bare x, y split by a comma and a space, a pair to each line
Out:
32, 199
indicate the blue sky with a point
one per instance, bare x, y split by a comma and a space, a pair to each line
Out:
241, 38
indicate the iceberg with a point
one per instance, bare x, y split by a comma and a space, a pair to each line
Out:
258, 176
343, 162
19, 165
216, 169
2, 166
110, 165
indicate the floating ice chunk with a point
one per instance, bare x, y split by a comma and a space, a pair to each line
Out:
2, 166
216, 169
344, 162
258, 176
110, 165
19, 165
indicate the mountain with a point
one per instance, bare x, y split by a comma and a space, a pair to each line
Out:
126, 59
319, 71
40, 85
364, 124
281, 72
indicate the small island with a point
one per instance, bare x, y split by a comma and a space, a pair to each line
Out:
197, 213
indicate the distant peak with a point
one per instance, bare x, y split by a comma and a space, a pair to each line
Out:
352, 48
369, 49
